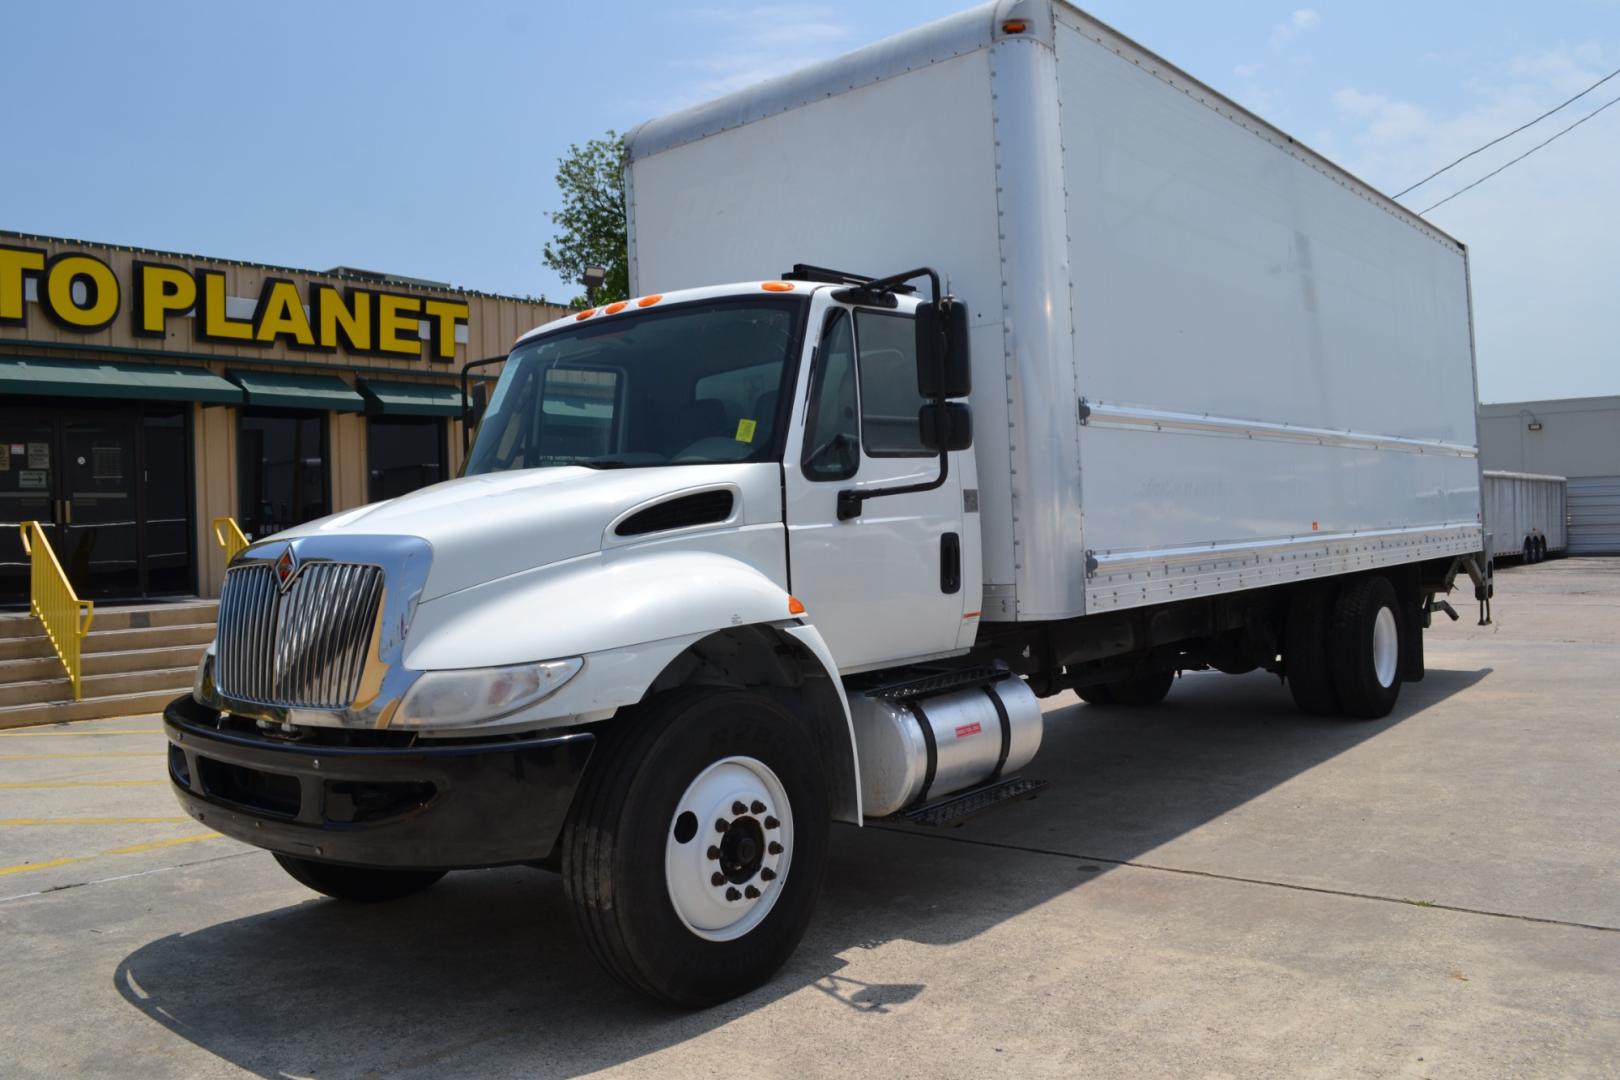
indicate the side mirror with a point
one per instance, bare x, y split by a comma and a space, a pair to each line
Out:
946, 425
944, 365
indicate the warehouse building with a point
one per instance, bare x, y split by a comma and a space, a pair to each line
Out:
143, 394
1574, 437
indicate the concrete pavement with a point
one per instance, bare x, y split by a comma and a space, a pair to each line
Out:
1214, 887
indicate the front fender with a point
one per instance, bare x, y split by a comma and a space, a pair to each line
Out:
597, 603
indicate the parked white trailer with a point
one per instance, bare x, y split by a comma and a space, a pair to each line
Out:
1525, 514
1112, 380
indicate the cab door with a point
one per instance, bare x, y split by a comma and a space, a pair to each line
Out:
892, 583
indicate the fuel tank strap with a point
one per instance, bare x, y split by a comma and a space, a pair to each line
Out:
927, 727
1006, 729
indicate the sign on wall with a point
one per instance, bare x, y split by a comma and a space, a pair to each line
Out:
82, 293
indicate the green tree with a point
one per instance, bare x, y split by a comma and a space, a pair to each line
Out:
590, 226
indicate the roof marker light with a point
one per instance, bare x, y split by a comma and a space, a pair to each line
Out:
615, 307
777, 286
1014, 26
649, 301
587, 313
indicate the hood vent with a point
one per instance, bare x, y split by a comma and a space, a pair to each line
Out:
682, 512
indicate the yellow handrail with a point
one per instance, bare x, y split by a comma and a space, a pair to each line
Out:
228, 534
52, 600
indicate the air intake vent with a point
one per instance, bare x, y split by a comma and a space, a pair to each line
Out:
703, 508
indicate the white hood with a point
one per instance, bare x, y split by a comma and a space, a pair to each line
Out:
487, 527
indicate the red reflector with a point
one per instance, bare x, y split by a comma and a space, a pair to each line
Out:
968, 729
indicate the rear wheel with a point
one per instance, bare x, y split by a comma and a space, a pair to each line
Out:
697, 845
1305, 650
363, 884
1366, 647
1100, 694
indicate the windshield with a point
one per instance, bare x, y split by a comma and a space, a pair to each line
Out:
692, 384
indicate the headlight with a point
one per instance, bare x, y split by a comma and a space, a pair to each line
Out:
461, 697
202, 684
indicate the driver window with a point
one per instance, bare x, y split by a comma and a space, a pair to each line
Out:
832, 438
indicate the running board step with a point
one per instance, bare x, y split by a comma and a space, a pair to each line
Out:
954, 809
927, 684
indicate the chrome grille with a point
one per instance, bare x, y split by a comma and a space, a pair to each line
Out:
303, 648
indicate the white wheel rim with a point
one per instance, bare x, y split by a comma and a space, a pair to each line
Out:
725, 876
1386, 647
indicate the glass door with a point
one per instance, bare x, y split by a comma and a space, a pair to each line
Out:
100, 521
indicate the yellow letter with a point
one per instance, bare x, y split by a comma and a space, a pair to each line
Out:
395, 315
334, 315
160, 290
15, 264
281, 313
446, 315
100, 292
216, 325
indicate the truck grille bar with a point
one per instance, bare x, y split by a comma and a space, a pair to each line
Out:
304, 647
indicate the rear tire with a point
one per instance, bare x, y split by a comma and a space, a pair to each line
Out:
1142, 690
1100, 694
1305, 650
697, 844
1366, 647
360, 884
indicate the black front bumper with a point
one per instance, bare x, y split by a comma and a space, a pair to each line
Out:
441, 807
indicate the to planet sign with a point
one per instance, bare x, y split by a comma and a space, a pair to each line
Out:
81, 292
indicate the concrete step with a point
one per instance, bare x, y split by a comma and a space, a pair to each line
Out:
101, 663
20, 648
121, 617
154, 637
117, 684
56, 712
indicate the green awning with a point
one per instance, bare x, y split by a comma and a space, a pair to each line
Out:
410, 398
98, 379
297, 391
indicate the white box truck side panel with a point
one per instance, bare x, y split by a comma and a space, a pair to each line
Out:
858, 169
1516, 503
1278, 364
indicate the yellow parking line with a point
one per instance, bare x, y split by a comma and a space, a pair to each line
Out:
79, 783
87, 754
133, 849
71, 734
8, 822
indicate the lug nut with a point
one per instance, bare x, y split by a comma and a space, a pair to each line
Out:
717, 879
751, 892
774, 848
738, 807
757, 807
767, 874
721, 825
714, 852
771, 823
733, 894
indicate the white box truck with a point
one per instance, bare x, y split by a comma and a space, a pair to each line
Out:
1525, 515
995, 360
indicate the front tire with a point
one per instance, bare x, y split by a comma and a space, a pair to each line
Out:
361, 884
697, 844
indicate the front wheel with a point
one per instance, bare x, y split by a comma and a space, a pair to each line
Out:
697, 844
363, 884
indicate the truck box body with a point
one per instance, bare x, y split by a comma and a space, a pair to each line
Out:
1519, 506
1205, 358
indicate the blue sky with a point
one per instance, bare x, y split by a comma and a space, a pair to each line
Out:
421, 139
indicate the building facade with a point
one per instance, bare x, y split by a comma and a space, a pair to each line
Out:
143, 394
1578, 438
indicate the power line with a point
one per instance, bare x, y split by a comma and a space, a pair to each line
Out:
1522, 156
1510, 134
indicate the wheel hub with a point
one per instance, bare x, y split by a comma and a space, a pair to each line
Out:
724, 883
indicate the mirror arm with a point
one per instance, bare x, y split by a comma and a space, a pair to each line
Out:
466, 401
850, 499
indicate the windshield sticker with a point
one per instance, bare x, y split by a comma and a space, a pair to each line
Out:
745, 430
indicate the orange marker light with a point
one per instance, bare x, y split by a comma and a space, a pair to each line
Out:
777, 286
1014, 26
615, 307
649, 301
587, 313
795, 606
1314, 526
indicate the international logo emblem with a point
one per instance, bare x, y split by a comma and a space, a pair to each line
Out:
286, 567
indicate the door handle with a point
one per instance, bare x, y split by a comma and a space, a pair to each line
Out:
950, 563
